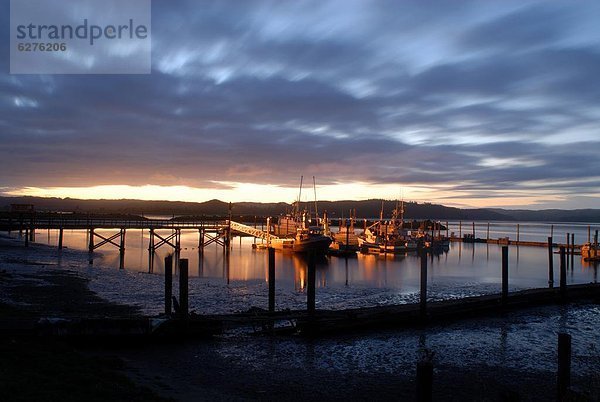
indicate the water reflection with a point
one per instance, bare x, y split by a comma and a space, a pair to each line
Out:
528, 266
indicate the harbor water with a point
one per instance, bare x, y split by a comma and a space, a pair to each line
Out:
233, 282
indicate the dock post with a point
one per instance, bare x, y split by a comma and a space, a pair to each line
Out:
423, 294
460, 229
151, 241
271, 280
563, 273
551, 230
473, 231
518, 233
550, 264
26, 237
168, 283
60, 238
202, 239
504, 274
122, 250
347, 236
564, 364
568, 249
424, 381
488, 233
310, 286
572, 249
447, 229
183, 288
31, 230
91, 244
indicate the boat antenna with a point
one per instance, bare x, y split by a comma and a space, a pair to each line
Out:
299, 195
402, 208
315, 189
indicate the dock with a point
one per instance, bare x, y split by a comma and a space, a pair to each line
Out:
302, 322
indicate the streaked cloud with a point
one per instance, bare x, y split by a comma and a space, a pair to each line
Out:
491, 103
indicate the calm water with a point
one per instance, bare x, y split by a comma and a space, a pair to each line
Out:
224, 284
527, 231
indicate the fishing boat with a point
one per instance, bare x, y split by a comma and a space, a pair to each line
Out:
345, 240
387, 236
589, 252
293, 232
303, 239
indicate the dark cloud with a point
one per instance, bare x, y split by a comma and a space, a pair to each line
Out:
485, 99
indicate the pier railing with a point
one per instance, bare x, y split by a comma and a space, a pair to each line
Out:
96, 223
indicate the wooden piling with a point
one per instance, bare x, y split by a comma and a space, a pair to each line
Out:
122, 250
424, 381
563, 272
488, 232
423, 293
460, 229
564, 365
504, 274
568, 248
201, 239
572, 249
60, 238
473, 230
183, 288
91, 239
168, 283
347, 235
550, 263
447, 229
310, 286
151, 241
26, 237
31, 230
271, 280
518, 233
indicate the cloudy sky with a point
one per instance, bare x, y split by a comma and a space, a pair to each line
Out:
479, 103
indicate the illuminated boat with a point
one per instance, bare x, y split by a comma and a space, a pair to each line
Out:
387, 236
303, 239
589, 252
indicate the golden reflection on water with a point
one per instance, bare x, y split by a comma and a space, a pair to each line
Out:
527, 266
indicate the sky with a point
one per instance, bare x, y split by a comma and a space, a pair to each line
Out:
462, 103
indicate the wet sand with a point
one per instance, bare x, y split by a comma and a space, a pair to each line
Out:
510, 357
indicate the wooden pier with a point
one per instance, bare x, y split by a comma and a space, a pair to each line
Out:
210, 231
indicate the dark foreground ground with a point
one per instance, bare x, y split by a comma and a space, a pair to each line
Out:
241, 366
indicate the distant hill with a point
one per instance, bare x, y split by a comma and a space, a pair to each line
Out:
335, 209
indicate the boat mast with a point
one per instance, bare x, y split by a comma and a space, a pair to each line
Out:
316, 211
299, 197
402, 212
381, 219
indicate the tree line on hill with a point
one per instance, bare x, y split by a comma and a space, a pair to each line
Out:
335, 209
